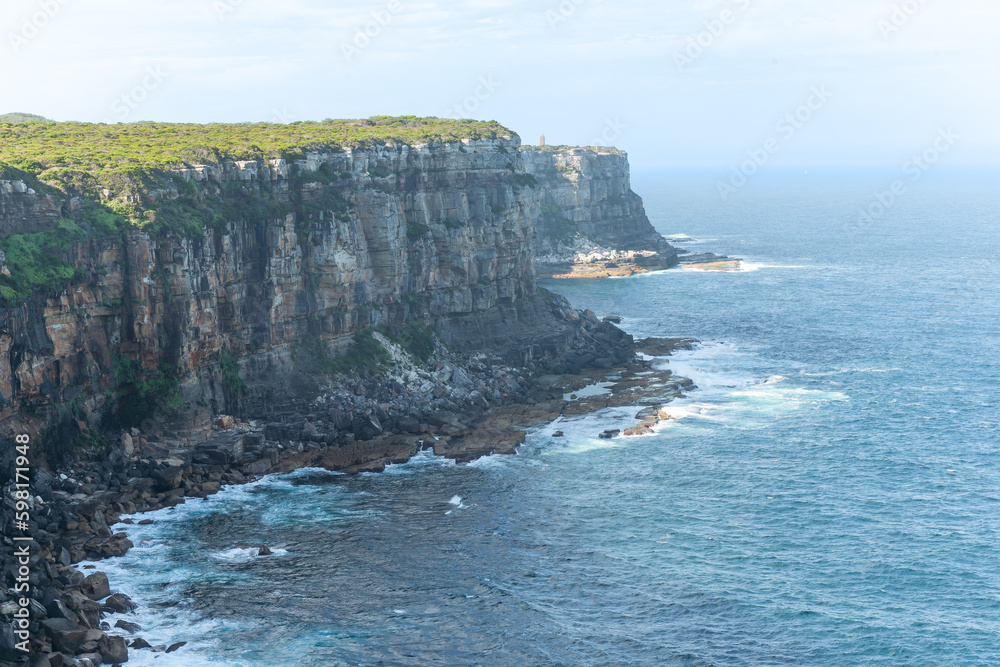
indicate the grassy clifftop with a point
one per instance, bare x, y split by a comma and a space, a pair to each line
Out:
52, 152
18, 117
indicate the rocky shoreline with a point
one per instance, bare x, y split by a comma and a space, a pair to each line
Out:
462, 407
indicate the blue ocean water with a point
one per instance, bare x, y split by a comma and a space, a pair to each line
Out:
830, 495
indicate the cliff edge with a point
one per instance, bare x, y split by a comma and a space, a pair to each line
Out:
591, 223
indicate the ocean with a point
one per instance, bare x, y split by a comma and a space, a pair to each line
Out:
829, 495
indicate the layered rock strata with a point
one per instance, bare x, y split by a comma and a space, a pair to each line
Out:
591, 223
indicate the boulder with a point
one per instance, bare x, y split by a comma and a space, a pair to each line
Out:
8, 642
225, 422
408, 425
168, 478
140, 643
119, 603
67, 636
40, 660
115, 546
56, 609
112, 649
264, 551
128, 627
86, 610
610, 433
64, 558
128, 447
173, 647
96, 586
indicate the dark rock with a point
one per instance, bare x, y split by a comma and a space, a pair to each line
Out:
408, 425
89, 659
664, 347
8, 642
119, 603
128, 627
86, 610
40, 660
557, 434
112, 649
168, 478
67, 636
264, 551
610, 433
56, 609
140, 643
96, 586
173, 647
117, 545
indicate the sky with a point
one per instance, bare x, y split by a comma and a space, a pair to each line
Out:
677, 83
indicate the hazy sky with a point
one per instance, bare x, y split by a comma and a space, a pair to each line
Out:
676, 83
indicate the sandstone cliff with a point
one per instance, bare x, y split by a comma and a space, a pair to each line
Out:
288, 260
591, 223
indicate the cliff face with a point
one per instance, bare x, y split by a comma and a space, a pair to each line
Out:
591, 222
442, 234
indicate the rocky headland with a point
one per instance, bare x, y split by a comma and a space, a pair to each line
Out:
360, 292
591, 223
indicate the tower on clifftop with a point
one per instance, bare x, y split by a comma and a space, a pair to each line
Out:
541, 142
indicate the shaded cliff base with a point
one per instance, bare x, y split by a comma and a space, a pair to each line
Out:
461, 406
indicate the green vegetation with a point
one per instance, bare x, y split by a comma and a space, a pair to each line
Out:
414, 230
525, 180
417, 339
365, 356
117, 154
17, 117
140, 393
555, 225
36, 261
233, 386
